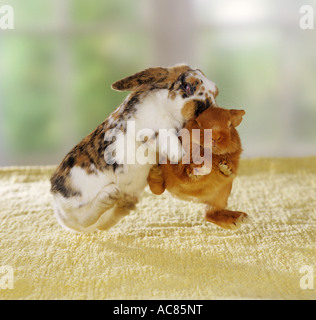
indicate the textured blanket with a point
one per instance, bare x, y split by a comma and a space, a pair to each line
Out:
165, 249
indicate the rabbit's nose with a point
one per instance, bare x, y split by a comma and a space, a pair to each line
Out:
216, 138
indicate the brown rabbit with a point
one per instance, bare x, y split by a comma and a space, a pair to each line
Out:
189, 181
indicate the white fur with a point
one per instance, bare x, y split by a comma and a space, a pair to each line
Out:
163, 113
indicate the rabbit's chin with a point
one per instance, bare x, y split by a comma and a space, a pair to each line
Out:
218, 150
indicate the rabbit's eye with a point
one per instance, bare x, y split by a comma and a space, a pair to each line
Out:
188, 89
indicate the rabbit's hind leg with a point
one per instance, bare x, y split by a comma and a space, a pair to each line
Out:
83, 217
119, 211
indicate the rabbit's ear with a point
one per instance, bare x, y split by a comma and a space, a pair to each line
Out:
143, 79
236, 116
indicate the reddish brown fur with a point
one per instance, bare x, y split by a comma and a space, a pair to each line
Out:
188, 110
214, 188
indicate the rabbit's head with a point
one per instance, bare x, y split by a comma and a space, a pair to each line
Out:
187, 89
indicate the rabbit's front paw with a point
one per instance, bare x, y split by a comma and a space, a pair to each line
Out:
110, 194
146, 136
225, 169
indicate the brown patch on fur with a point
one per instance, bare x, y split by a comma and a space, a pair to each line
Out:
175, 72
188, 110
179, 83
195, 82
141, 80
127, 108
162, 77
201, 72
214, 93
193, 108
88, 155
172, 95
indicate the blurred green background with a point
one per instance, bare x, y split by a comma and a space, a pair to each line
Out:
57, 66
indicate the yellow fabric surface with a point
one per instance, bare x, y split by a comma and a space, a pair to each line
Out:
165, 249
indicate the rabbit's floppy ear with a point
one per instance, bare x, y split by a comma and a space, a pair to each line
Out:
142, 79
236, 116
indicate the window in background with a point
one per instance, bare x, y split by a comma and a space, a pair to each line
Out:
56, 70
57, 66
